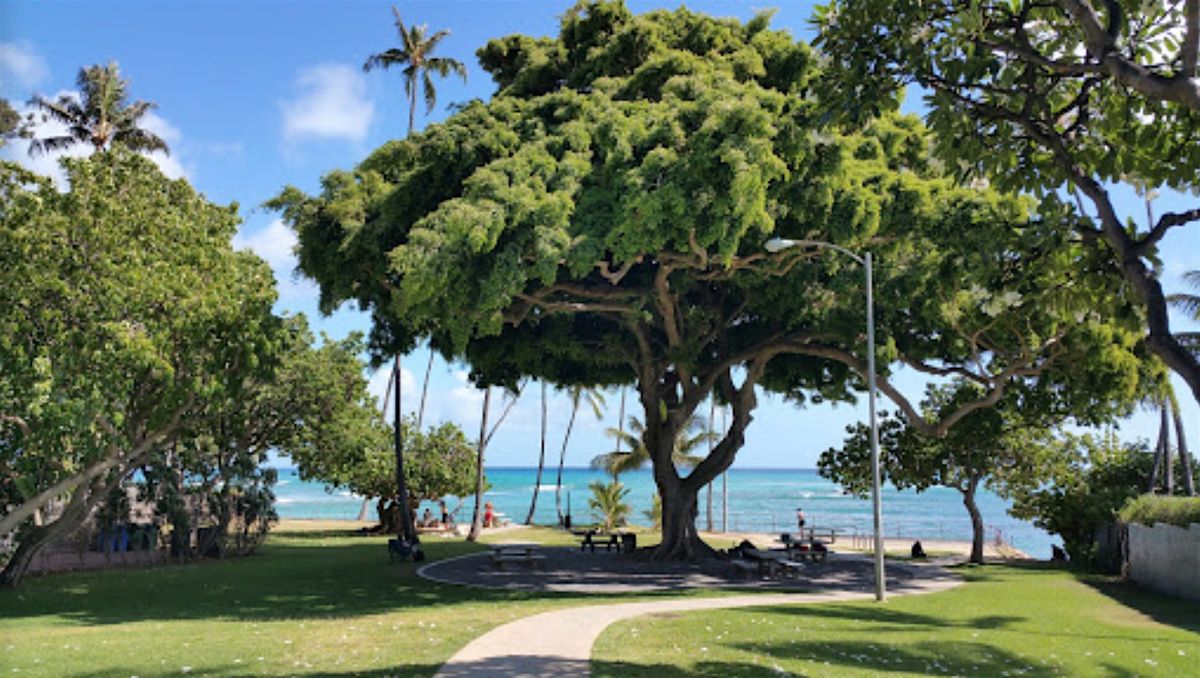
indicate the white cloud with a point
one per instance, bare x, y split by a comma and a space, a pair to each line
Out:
21, 64
276, 244
332, 104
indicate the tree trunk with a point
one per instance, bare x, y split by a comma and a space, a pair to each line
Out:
708, 500
1185, 458
424, 391
477, 515
362, 511
977, 532
405, 531
537, 486
1158, 459
1168, 467
85, 498
562, 455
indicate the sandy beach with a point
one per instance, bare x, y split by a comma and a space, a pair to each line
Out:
933, 547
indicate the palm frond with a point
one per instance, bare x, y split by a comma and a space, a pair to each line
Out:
430, 93
1186, 303
65, 109
50, 145
1192, 278
386, 59
140, 140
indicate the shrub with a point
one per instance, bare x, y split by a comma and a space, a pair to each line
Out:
1149, 509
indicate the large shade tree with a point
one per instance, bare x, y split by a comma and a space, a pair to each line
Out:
1047, 96
602, 221
123, 311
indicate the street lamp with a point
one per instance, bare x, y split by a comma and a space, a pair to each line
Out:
778, 245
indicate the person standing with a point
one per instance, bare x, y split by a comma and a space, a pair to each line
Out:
800, 521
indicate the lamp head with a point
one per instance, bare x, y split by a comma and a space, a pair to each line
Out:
779, 244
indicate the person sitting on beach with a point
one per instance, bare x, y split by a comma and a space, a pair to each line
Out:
426, 519
918, 551
489, 515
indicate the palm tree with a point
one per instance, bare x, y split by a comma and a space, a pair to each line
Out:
102, 117
690, 437
594, 399
415, 56
541, 462
608, 503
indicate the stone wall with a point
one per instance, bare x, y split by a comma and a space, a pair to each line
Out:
1166, 558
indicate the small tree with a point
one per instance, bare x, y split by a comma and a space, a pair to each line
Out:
608, 503
1086, 484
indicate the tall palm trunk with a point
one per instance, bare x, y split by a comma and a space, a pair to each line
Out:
537, 486
562, 455
406, 530
1159, 453
424, 390
477, 514
1168, 467
1185, 458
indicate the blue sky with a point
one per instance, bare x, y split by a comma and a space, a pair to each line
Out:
255, 96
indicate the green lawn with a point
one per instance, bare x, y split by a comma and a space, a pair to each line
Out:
312, 602
324, 603
1007, 620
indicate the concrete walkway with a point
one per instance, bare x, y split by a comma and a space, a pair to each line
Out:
559, 643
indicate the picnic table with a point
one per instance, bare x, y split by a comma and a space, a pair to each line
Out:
767, 564
805, 549
525, 554
621, 541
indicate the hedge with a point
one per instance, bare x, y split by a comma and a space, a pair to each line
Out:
1149, 509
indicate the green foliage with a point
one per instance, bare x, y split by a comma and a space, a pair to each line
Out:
1149, 509
123, 308
602, 221
1084, 489
981, 62
439, 461
608, 503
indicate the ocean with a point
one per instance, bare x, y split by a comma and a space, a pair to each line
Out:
758, 500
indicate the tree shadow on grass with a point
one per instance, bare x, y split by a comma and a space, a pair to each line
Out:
928, 657
887, 619
1163, 609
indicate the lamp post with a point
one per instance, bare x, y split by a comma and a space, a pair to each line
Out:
778, 245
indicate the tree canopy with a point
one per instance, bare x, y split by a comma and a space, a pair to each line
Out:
123, 309
602, 221
1045, 97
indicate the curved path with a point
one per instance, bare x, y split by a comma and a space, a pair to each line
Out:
559, 643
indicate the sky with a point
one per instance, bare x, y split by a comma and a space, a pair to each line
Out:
255, 96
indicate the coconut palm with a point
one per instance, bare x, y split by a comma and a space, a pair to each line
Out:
414, 56
608, 503
690, 437
541, 461
595, 400
101, 116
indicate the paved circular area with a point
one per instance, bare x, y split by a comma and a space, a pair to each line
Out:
558, 644
569, 570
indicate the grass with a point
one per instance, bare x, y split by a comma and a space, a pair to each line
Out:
322, 602
312, 602
1008, 620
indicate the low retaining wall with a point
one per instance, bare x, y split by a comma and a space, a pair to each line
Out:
1166, 558
71, 561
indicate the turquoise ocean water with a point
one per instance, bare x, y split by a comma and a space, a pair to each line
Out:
759, 500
